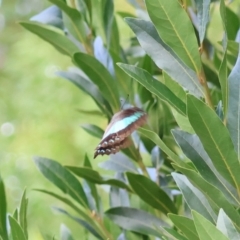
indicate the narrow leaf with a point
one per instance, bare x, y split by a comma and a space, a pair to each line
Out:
173, 25
214, 195
23, 213
215, 139
233, 115
205, 229
89, 88
95, 177
93, 130
100, 76
119, 163
158, 141
203, 8
62, 178
185, 225
194, 198
193, 149
135, 220
151, 193
65, 233
155, 87
83, 223
164, 57
225, 225
222, 74
3, 211
16, 230
76, 19
54, 37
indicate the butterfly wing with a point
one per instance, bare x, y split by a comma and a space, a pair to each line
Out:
121, 126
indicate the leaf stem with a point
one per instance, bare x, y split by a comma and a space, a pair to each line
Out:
203, 81
99, 220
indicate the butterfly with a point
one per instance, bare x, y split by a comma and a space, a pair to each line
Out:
117, 132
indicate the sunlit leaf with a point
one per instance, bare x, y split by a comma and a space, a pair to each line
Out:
205, 229
173, 25
16, 230
225, 225
164, 57
65, 233
154, 86
215, 139
185, 225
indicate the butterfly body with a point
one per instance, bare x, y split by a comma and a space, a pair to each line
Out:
121, 126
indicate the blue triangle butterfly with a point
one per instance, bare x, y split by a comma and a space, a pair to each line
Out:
117, 132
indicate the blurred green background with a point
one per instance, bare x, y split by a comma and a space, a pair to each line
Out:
38, 112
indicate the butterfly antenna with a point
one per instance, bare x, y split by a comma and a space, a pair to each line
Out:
124, 102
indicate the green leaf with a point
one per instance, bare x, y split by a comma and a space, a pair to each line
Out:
89, 88
155, 87
233, 115
93, 130
193, 149
97, 18
16, 230
92, 186
158, 141
87, 225
151, 193
225, 225
205, 229
3, 211
23, 213
65, 233
108, 18
215, 139
232, 24
222, 74
95, 177
119, 163
185, 225
76, 19
164, 57
62, 178
213, 194
69, 203
100, 76
52, 35
174, 234
182, 121
194, 198
203, 8
174, 86
173, 25
135, 220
